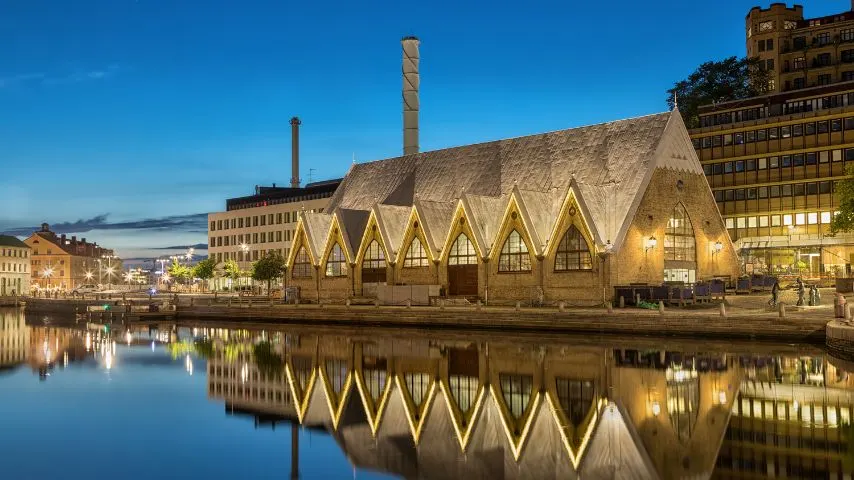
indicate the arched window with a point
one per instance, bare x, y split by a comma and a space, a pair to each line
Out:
683, 400
416, 256
462, 252
302, 265
514, 255
680, 251
374, 256
573, 252
336, 263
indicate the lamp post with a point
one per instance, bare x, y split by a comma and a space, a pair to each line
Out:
245, 249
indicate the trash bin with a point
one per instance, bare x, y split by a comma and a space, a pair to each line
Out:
839, 306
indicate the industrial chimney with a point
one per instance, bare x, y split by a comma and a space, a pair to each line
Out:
410, 95
295, 123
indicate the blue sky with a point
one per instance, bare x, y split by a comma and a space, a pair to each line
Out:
154, 109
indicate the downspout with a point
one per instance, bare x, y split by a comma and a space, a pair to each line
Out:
486, 281
542, 260
317, 281
353, 280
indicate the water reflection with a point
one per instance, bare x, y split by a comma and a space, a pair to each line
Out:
487, 406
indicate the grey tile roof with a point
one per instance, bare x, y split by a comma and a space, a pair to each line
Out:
606, 167
316, 229
392, 221
10, 241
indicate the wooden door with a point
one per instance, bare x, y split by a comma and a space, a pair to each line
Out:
462, 280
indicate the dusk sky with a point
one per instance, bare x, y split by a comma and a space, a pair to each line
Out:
133, 118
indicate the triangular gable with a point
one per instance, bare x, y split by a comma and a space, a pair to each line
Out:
415, 414
300, 393
336, 401
675, 150
576, 452
540, 212
517, 442
317, 227
485, 214
455, 227
374, 407
435, 222
392, 221
352, 224
615, 449
574, 197
463, 426
336, 234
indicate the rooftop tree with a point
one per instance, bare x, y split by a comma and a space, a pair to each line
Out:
714, 82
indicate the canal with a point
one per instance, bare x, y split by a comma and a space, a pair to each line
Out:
203, 400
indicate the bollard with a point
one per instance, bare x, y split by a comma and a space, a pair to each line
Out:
229, 301
561, 306
622, 302
347, 303
376, 304
637, 299
610, 307
661, 307
408, 303
847, 312
250, 302
441, 304
518, 306
723, 309
477, 305
192, 300
781, 309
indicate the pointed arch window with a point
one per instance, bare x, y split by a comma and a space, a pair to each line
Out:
514, 255
573, 252
683, 400
416, 255
336, 263
462, 252
517, 391
302, 265
374, 256
679, 244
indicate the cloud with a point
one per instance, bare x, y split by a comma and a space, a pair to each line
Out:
194, 222
42, 78
198, 246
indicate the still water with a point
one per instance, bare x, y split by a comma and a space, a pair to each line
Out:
200, 401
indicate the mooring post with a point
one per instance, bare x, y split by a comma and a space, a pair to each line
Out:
622, 301
518, 305
661, 307
781, 310
610, 307
347, 303
637, 299
723, 309
408, 303
561, 306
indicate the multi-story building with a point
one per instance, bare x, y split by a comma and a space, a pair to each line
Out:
772, 161
14, 266
14, 339
801, 52
254, 225
58, 262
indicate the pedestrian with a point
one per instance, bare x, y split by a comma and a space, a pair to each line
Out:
775, 292
801, 291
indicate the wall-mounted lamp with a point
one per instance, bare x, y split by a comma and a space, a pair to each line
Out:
656, 408
717, 247
721, 397
651, 242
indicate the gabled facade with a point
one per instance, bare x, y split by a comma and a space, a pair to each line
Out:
561, 216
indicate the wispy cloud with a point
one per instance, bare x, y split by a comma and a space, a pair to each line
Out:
185, 223
42, 78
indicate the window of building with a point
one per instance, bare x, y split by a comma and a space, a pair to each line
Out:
775, 220
846, 34
812, 188
825, 217
750, 136
741, 222
799, 83
836, 155
786, 161
213, 226
800, 219
847, 76
798, 63
573, 252
514, 255
729, 195
786, 131
575, 398
773, 133
787, 219
679, 244
797, 130
812, 218
824, 187
730, 224
738, 138
798, 159
516, 390
822, 39
728, 139
717, 140
462, 252
763, 192
683, 401
739, 166
763, 221
336, 263
761, 45
374, 256
751, 222
822, 60
416, 255
761, 135
728, 167
763, 163
750, 165
822, 127
786, 191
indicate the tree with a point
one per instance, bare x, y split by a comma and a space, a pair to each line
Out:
843, 221
179, 272
713, 82
205, 270
268, 268
231, 270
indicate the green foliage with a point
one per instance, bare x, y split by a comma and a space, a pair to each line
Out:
269, 268
179, 272
231, 269
269, 363
729, 79
844, 220
205, 269
201, 348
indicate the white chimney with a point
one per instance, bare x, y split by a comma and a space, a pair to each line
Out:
410, 95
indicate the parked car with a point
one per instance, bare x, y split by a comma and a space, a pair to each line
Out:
85, 289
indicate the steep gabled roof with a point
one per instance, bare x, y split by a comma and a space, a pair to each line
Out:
540, 211
316, 229
486, 215
436, 220
392, 224
352, 223
10, 241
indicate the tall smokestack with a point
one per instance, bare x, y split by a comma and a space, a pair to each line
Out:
295, 123
410, 95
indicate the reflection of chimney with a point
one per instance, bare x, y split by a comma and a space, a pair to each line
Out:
295, 123
410, 95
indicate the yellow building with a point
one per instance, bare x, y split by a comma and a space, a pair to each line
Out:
65, 263
14, 266
14, 338
772, 161
561, 216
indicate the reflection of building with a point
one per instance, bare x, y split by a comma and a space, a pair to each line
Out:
772, 160
14, 338
138, 276
14, 266
427, 408
60, 262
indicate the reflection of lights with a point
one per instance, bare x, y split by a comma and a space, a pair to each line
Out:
722, 397
796, 405
244, 373
189, 365
152, 346
88, 341
656, 408
65, 359
109, 360
128, 337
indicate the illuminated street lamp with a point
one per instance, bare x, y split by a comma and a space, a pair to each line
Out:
89, 275
46, 274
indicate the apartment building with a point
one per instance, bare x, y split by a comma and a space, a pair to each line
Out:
14, 266
253, 225
59, 262
772, 161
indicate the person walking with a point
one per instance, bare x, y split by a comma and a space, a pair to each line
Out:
801, 291
775, 293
